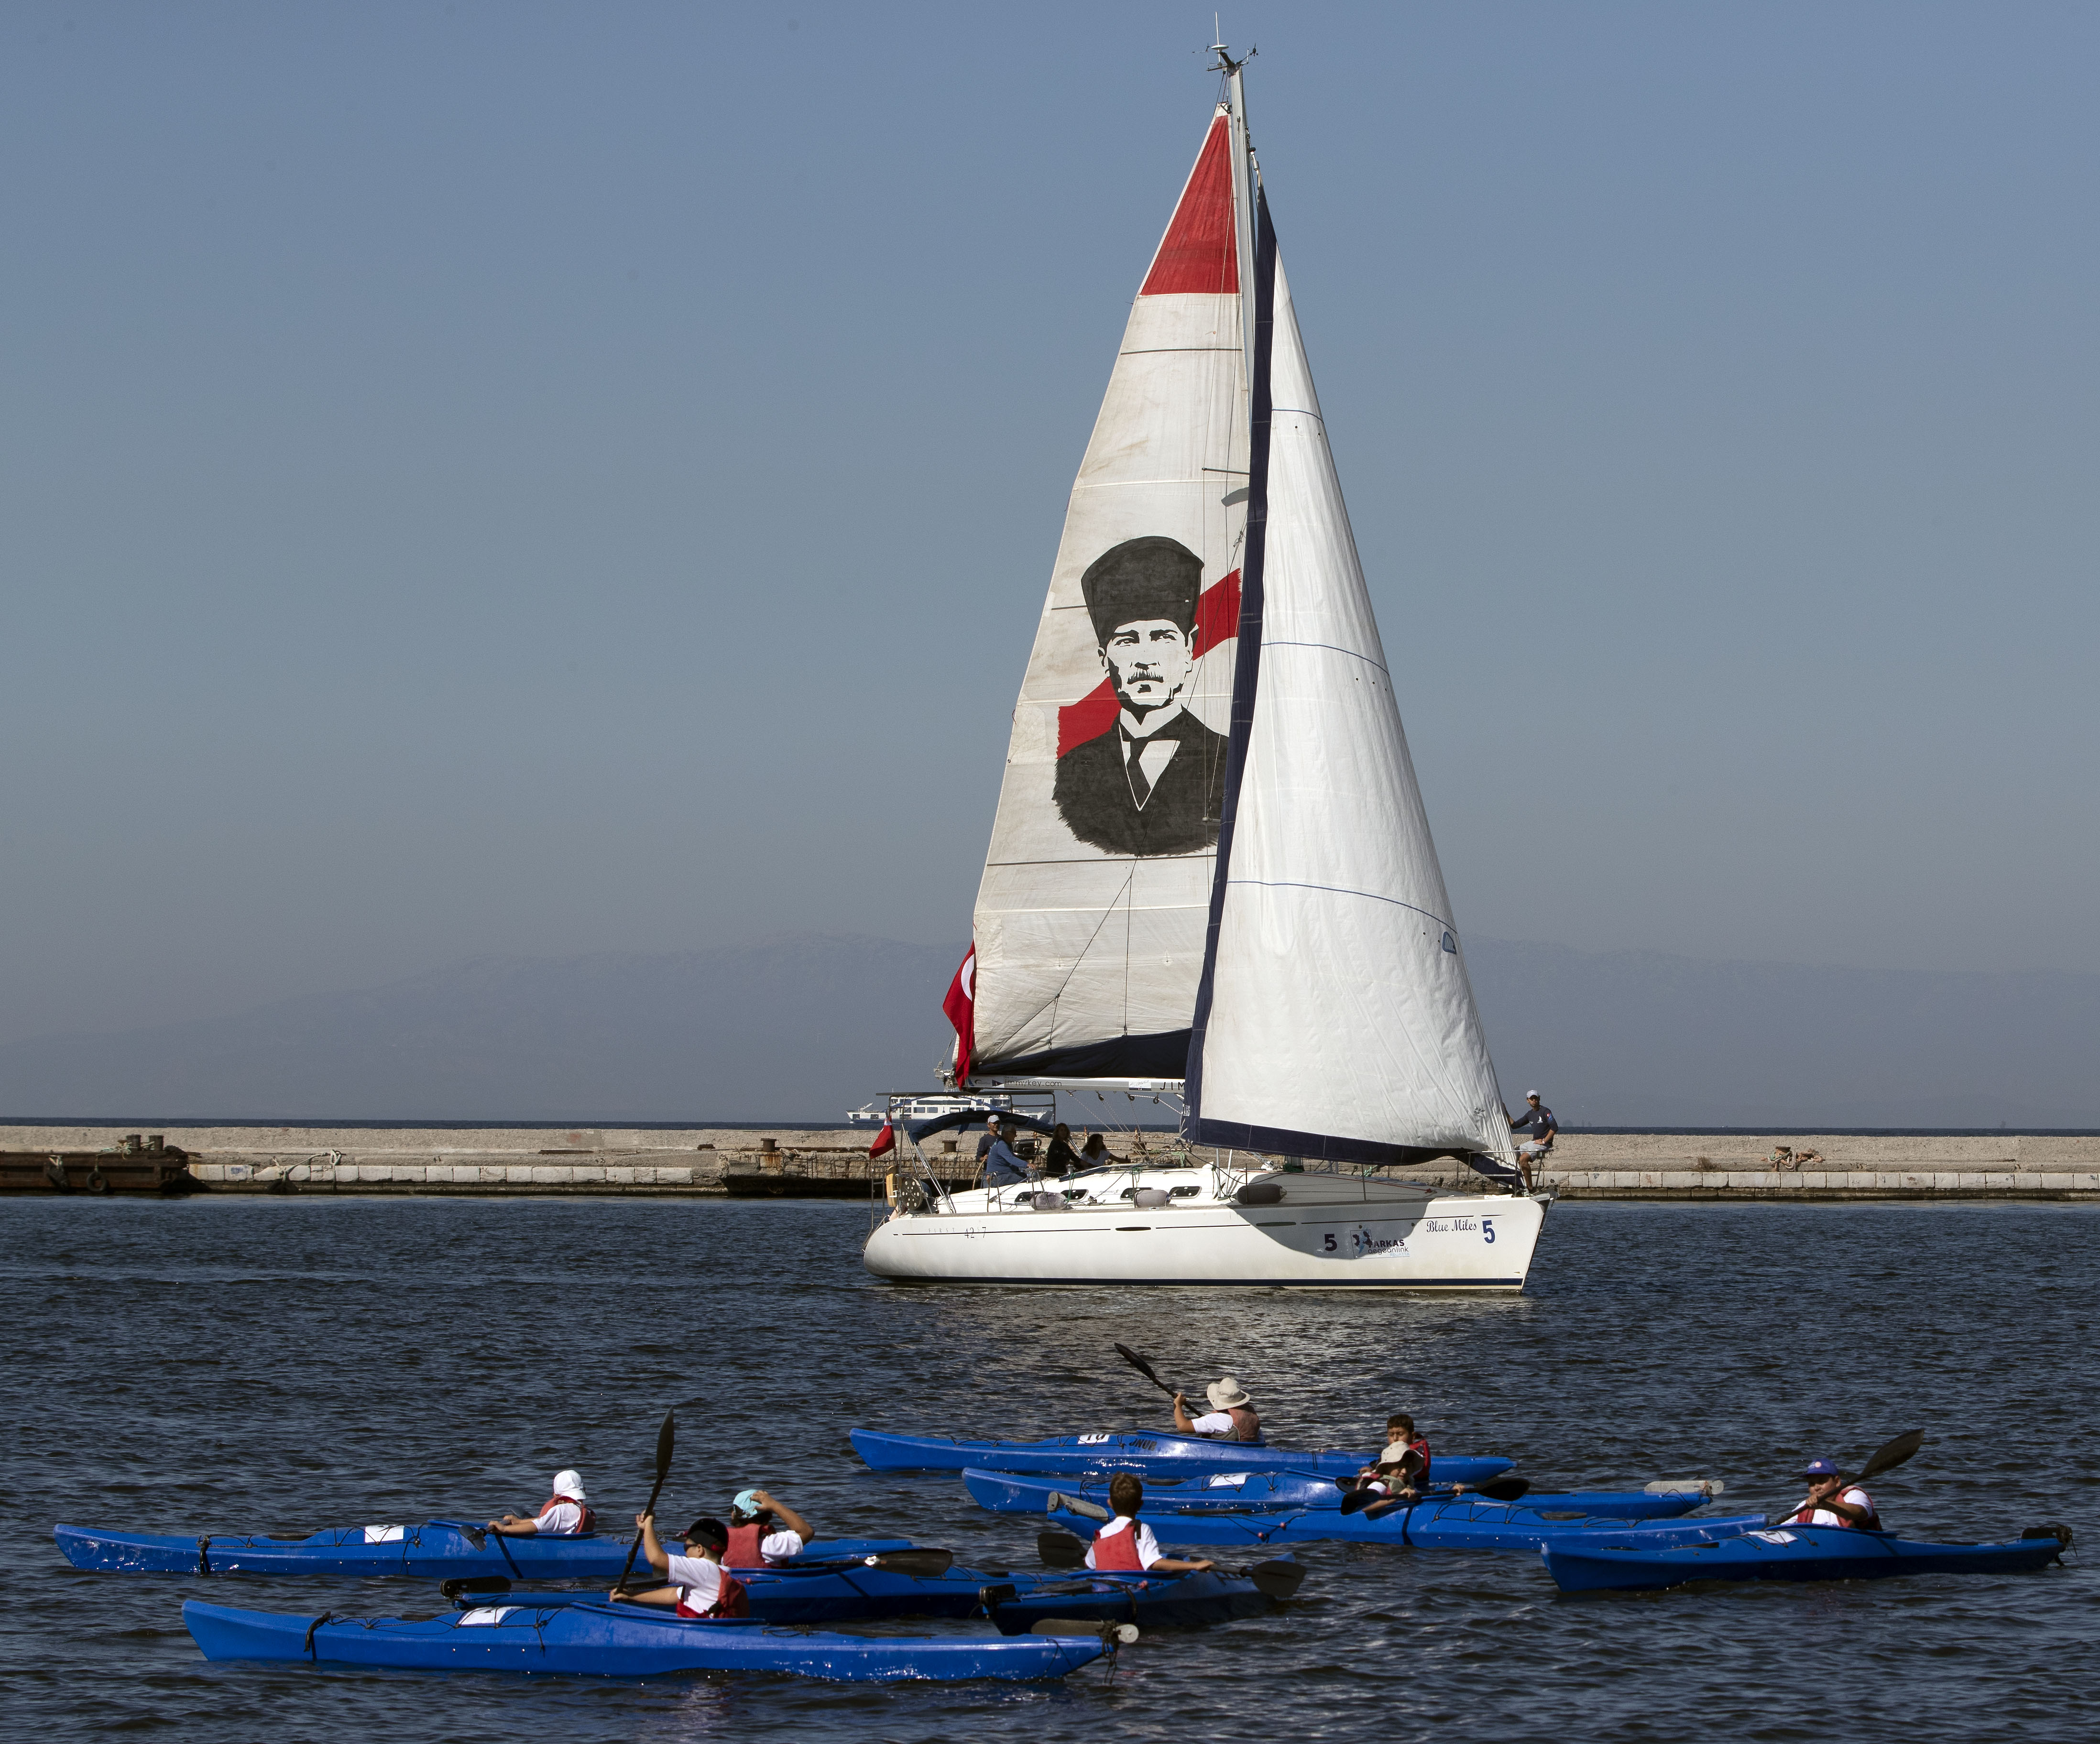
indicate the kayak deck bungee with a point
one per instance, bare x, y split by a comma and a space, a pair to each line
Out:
603, 1640
1428, 1525
1786, 1553
1281, 1492
1164, 1455
1015, 1602
435, 1549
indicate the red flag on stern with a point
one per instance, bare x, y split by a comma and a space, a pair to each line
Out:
961, 1007
885, 1140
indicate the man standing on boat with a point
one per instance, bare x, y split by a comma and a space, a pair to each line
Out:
1154, 782
1231, 1416
1544, 1130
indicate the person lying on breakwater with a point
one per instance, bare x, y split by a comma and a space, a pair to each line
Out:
763, 1529
1832, 1502
563, 1516
1231, 1416
1124, 1546
700, 1586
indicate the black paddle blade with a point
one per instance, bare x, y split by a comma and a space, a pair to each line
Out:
1891, 1454
921, 1564
666, 1439
1278, 1579
1503, 1489
452, 1588
1060, 1550
1143, 1368
1357, 1500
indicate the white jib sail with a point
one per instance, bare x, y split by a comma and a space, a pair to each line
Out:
1341, 1023
1090, 921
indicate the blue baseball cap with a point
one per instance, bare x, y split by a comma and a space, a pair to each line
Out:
747, 1500
1820, 1469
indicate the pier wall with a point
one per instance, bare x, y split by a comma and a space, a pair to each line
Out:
600, 1161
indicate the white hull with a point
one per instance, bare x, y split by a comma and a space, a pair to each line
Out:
1328, 1231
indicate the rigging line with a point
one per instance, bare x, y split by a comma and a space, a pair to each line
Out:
1332, 648
1128, 877
1369, 896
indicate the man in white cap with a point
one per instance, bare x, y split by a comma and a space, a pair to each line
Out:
1231, 1416
562, 1516
1539, 1118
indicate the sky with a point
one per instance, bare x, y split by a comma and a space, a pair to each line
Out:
491, 479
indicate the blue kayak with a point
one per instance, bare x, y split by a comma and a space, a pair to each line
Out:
1427, 1525
603, 1640
1283, 1492
1784, 1553
436, 1549
1168, 1455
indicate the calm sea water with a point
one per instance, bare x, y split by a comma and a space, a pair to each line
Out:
276, 1365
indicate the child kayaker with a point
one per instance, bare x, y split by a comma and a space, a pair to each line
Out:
700, 1586
1124, 1546
563, 1515
1832, 1502
763, 1529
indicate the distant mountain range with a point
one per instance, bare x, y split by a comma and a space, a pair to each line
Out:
800, 1028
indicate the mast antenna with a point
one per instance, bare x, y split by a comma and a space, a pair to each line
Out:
1224, 63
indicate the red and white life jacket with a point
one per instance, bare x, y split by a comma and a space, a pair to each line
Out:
745, 1542
732, 1599
1116, 1553
1810, 1510
586, 1522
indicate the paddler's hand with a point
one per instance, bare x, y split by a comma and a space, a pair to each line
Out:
1460, 1489
643, 1521
763, 1498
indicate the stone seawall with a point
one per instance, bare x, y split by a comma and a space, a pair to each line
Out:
598, 1161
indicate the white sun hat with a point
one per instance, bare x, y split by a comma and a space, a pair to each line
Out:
570, 1484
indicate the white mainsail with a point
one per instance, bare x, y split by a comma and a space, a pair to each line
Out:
1090, 920
1335, 1020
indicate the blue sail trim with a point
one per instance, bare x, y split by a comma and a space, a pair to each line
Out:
1325, 1147
1247, 666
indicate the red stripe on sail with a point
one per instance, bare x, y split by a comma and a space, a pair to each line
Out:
1217, 621
1201, 253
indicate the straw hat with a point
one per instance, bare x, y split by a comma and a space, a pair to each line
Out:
1226, 1393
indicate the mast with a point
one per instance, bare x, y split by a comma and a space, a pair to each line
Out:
1243, 186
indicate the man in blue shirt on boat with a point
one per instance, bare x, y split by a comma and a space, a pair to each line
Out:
1544, 1129
1003, 1166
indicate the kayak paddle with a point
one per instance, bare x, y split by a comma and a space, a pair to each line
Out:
1276, 1578
665, 1438
1885, 1458
1144, 1368
1494, 1490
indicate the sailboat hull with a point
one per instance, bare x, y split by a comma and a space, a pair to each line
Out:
1348, 1243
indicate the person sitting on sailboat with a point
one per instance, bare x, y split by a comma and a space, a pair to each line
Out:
1060, 1159
1095, 1152
763, 1529
1003, 1167
1231, 1416
1544, 1130
1125, 1545
563, 1515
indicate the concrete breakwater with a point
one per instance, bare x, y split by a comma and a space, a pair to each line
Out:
698, 1161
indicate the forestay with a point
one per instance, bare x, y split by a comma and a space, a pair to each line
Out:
1090, 920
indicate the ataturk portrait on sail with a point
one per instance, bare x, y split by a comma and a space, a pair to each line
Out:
1154, 782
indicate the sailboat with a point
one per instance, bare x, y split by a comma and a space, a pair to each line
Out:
1210, 880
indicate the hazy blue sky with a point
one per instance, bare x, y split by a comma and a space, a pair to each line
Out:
509, 478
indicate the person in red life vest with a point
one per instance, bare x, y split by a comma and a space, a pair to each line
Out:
1402, 1469
699, 1585
763, 1529
1231, 1416
562, 1516
1125, 1545
1832, 1502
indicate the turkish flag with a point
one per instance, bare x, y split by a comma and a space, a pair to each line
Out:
961, 1006
885, 1140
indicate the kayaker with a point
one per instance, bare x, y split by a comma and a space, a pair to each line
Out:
1125, 1546
1404, 1465
763, 1529
562, 1516
700, 1586
1231, 1417
1832, 1502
